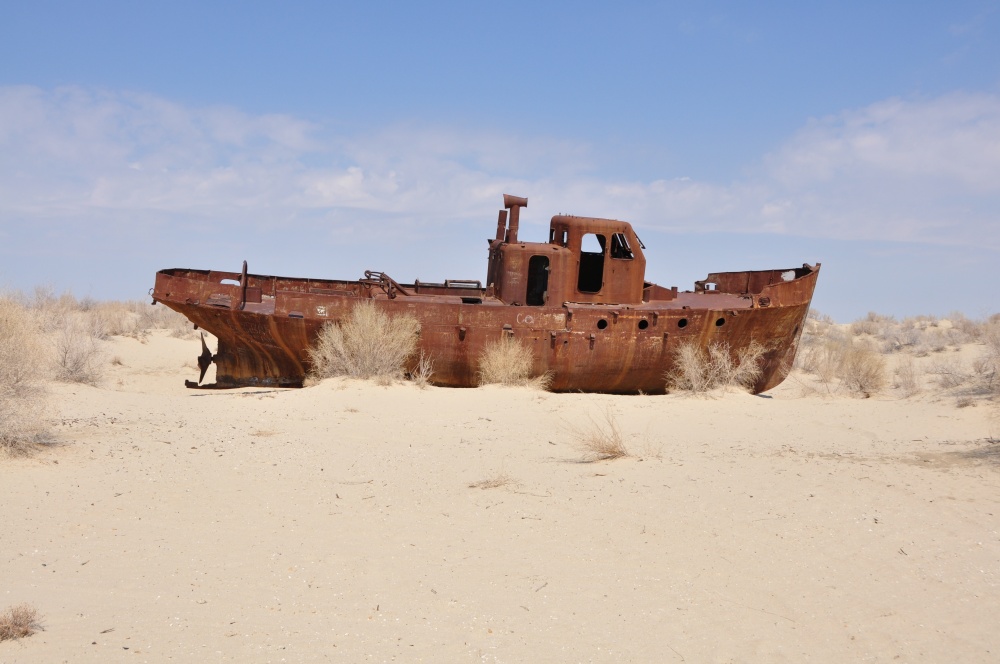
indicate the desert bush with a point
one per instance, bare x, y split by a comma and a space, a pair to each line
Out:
79, 357
136, 318
23, 362
861, 370
819, 317
905, 377
508, 361
699, 370
129, 318
423, 371
854, 365
18, 622
950, 373
987, 365
896, 338
871, 324
367, 343
969, 330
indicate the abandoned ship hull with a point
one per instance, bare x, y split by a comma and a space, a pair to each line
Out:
265, 325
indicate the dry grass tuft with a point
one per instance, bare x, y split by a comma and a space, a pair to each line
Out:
499, 480
368, 343
601, 441
507, 361
699, 370
23, 362
18, 622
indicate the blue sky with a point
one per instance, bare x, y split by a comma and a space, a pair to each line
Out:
324, 138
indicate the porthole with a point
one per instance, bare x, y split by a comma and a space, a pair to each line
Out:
720, 322
643, 324
601, 324
682, 322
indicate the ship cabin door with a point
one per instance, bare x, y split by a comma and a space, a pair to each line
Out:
591, 277
538, 281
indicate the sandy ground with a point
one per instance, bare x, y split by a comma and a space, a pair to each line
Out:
337, 523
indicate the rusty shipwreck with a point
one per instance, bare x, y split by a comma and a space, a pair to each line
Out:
580, 301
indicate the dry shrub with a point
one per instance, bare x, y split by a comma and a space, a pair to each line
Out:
906, 379
601, 441
422, 373
985, 376
130, 318
950, 373
368, 343
79, 357
699, 370
872, 324
136, 318
22, 364
18, 622
861, 370
855, 365
508, 361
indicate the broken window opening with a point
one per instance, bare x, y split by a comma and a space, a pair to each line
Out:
620, 248
538, 280
591, 277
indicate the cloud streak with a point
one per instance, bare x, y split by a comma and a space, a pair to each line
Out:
917, 170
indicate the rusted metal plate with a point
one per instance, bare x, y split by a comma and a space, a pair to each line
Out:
585, 310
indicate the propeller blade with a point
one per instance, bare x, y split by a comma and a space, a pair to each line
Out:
205, 359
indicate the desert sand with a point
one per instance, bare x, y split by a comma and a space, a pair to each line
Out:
337, 523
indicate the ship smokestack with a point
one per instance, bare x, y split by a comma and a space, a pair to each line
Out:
514, 204
501, 225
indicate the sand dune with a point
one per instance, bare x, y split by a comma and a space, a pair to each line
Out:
338, 523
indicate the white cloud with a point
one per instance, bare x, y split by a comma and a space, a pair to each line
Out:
924, 170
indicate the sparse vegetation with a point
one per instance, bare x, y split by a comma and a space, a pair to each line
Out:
861, 370
18, 622
699, 370
507, 361
601, 441
22, 366
848, 357
987, 366
130, 318
422, 373
368, 343
905, 377
79, 356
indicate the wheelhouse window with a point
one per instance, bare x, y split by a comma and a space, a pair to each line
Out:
591, 277
620, 248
